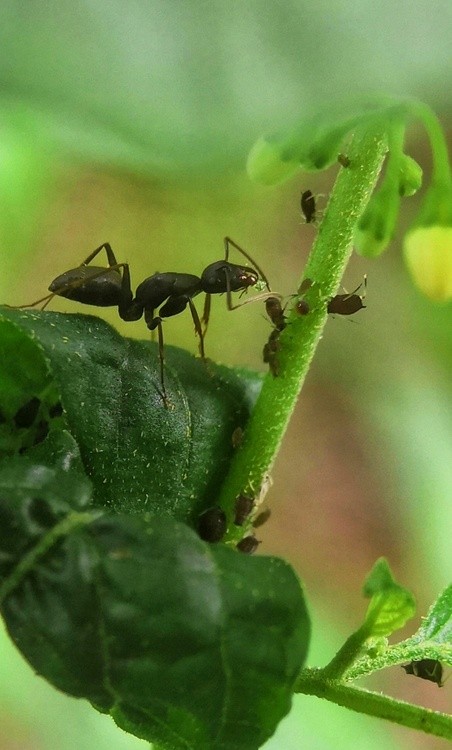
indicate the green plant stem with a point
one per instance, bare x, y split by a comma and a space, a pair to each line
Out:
347, 654
29, 560
312, 682
441, 167
327, 261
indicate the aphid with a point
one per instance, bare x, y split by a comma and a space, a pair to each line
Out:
426, 669
343, 160
212, 524
243, 507
348, 303
275, 312
169, 293
302, 306
270, 352
248, 545
262, 518
308, 207
237, 437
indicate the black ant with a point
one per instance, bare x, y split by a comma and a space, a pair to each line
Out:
348, 303
426, 669
308, 207
171, 292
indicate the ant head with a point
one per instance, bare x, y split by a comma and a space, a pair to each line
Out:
222, 275
243, 277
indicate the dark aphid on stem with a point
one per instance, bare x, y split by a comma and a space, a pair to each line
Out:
275, 312
237, 437
308, 207
348, 303
302, 306
212, 524
426, 669
248, 545
262, 518
242, 509
270, 352
169, 293
343, 160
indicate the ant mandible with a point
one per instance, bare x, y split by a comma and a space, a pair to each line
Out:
168, 292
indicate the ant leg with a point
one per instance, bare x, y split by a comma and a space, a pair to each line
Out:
228, 241
198, 327
166, 403
113, 265
153, 323
206, 313
110, 255
46, 301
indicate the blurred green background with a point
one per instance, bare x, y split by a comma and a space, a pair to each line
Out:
130, 123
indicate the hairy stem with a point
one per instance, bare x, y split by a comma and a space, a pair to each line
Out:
312, 682
326, 264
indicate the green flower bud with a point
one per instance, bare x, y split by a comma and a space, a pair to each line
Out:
410, 176
428, 255
377, 224
268, 164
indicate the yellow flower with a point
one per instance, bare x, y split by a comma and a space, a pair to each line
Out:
428, 255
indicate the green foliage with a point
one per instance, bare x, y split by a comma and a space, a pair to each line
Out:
139, 455
391, 605
106, 594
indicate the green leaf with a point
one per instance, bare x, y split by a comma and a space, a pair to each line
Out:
185, 644
437, 626
139, 456
433, 641
391, 605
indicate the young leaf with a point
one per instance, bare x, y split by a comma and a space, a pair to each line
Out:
391, 605
437, 626
139, 456
185, 644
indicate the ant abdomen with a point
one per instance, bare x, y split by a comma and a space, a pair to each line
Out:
90, 285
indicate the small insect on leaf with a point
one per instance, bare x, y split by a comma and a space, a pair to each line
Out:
343, 160
243, 507
212, 525
248, 545
426, 669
